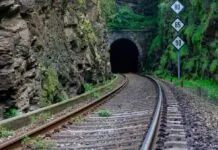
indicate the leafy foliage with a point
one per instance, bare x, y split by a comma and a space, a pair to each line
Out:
10, 112
108, 8
125, 18
199, 55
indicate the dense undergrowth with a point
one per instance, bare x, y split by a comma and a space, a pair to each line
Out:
123, 17
199, 65
200, 54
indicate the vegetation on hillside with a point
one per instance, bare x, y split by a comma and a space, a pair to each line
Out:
123, 17
199, 55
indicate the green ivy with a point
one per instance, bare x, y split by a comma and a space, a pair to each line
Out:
125, 18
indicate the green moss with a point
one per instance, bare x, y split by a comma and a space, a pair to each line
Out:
88, 35
49, 86
51, 91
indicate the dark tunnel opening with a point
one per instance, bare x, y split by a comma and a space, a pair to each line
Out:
124, 56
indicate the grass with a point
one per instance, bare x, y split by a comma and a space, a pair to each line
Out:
38, 143
40, 118
104, 113
79, 120
90, 86
5, 133
209, 86
96, 95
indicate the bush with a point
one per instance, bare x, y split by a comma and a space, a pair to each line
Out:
104, 113
125, 18
10, 112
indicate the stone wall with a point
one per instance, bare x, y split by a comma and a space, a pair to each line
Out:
49, 48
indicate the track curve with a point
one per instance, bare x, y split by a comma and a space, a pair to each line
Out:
134, 115
131, 112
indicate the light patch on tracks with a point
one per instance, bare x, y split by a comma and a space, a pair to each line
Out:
106, 130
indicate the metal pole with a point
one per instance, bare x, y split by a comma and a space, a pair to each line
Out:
178, 42
179, 71
179, 65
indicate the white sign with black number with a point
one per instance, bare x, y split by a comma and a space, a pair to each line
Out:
177, 7
178, 43
177, 25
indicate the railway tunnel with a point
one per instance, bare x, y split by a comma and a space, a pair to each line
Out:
124, 56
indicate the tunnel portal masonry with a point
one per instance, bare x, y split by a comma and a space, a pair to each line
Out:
140, 38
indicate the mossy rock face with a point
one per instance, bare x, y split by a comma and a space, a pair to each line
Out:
52, 46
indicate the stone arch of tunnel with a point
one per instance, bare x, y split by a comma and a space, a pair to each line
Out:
124, 56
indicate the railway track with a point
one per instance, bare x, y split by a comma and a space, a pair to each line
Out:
132, 111
181, 126
131, 114
143, 113
172, 134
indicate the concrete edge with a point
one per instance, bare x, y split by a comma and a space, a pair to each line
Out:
24, 119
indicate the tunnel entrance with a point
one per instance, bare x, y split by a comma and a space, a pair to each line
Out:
124, 56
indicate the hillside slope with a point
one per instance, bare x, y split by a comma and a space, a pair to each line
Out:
200, 54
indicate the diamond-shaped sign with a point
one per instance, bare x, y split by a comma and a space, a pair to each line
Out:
177, 7
177, 25
178, 43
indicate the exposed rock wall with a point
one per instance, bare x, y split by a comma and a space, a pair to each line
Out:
49, 48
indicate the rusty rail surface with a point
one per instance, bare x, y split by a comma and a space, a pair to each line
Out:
150, 135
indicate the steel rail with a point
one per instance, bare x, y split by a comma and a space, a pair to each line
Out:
151, 132
54, 124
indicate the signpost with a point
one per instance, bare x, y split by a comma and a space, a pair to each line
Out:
177, 7
178, 25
